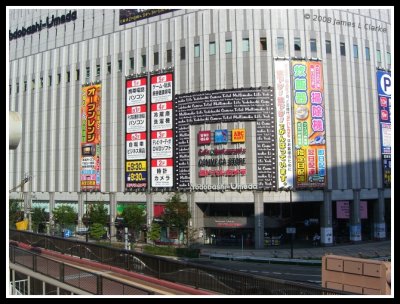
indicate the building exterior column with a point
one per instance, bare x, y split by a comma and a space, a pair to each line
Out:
113, 212
355, 221
379, 216
52, 204
326, 219
149, 212
258, 220
80, 209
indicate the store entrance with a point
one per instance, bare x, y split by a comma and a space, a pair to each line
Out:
231, 237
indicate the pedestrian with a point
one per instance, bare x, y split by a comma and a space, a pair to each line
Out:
316, 239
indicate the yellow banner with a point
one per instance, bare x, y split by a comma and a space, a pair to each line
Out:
238, 135
138, 165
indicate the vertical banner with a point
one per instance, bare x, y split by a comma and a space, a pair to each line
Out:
90, 138
136, 134
384, 84
309, 122
162, 134
283, 104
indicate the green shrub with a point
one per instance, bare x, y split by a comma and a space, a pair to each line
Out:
172, 251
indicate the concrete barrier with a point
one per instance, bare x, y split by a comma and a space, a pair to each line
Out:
362, 276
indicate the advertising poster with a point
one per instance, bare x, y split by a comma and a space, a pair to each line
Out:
161, 88
204, 138
136, 146
221, 136
326, 235
309, 124
197, 111
384, 85
343, 210
132, 15
136, 133
136, 91
161, 116
355, 232
283, 101
238, 135
162, 172
136, 174
161, 144
162, 130
90, 138
136, 119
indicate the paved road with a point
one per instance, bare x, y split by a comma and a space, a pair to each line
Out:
306, 274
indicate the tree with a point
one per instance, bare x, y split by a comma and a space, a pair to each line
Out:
155, 232
134, 217
177, 215
38, 219
15, 213
64, 215
97, 231
98, 214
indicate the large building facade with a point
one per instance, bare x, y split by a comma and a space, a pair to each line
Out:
263, 119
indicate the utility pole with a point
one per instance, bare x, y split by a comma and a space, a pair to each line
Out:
291, 223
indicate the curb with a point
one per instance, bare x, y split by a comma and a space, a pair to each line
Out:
263, 260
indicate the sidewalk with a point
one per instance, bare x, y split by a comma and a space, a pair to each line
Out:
301, 254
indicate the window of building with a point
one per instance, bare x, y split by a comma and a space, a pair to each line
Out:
297, 44
169, 55
367, 54
378, 55
313, 45
197, 50
77, 75
10, 89
144, 60
25, 85
342, 49
328, 47
17, 87
131, 63
41, 81
388, 58
156, 58
280, 43
263, 43
109, 67
245, 45
355, 50
183, 53
50, 79
58, 78
228, 46
212, 48
98, 70
87, 72
120, 65
68, 76
33, 84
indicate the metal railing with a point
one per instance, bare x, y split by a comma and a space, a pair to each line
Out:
85, 280
210, 278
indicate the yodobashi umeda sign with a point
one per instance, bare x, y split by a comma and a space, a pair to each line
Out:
37, 27
224, 187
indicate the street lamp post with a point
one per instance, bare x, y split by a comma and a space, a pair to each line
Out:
291, 223
86, 211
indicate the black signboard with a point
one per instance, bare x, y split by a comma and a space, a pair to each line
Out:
253, 104
132, 15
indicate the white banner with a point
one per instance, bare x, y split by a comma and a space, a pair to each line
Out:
283, 103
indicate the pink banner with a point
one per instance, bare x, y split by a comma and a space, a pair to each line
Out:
343, 210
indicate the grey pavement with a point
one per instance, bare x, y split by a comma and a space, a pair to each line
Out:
301, 254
